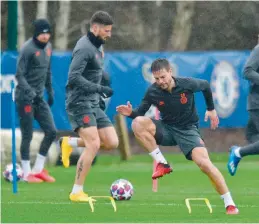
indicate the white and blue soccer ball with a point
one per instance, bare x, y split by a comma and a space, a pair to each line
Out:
8, 175
121, 190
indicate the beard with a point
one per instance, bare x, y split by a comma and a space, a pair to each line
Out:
96, 40
164, 86
100, 40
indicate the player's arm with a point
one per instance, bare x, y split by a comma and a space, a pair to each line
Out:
141, 110
197, 85
79, 61
251, 67
48, 85
127, 110
106, 80
23, 61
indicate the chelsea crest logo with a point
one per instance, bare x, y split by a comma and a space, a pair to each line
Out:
225, 88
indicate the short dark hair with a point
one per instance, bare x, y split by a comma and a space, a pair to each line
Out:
101, 17
159, 64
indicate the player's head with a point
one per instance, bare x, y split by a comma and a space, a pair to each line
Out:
162, 73
101, 25
42, 30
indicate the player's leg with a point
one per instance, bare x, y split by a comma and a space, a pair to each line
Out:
149, 134
107, 133
73, 142
92, 145
200, 156
191, 144
236, 153
251, 149
25, 112
85, 125
69, 145
252, 129
108, 137
44, 117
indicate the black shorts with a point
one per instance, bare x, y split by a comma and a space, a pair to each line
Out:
186, 138
87, 118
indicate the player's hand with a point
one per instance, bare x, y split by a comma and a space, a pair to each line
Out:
125, 110
106, 91
30, 94
214, 120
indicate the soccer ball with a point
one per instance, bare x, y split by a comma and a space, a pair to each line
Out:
8, 175
121, 190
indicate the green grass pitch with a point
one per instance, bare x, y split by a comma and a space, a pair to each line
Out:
49, 203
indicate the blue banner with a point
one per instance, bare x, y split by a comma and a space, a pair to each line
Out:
130, 75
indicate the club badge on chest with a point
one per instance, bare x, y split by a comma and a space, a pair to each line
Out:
183, 99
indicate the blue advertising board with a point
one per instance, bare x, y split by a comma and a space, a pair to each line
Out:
131, 76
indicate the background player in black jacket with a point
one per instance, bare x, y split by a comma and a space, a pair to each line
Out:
251, 73
174, 98
33, 76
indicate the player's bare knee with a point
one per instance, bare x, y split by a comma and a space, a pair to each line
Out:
93, 143
139, 124
112, 144
136, 124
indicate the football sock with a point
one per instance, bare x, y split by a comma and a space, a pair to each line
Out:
227, 199
39, 163
77, 188
158, 156
26, 167
72, 141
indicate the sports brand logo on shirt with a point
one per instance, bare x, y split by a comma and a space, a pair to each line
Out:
37, 53
161, 103
183, 99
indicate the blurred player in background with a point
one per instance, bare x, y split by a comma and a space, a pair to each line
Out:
75, 144
174, 98
251, 73
33, 76
83, 92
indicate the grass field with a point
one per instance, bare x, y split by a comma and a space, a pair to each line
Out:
47, 203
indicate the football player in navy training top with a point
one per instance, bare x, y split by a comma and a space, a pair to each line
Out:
174, 98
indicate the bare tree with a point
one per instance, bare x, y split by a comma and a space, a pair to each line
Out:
42, 9
62, 23
182, 26
21, 27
